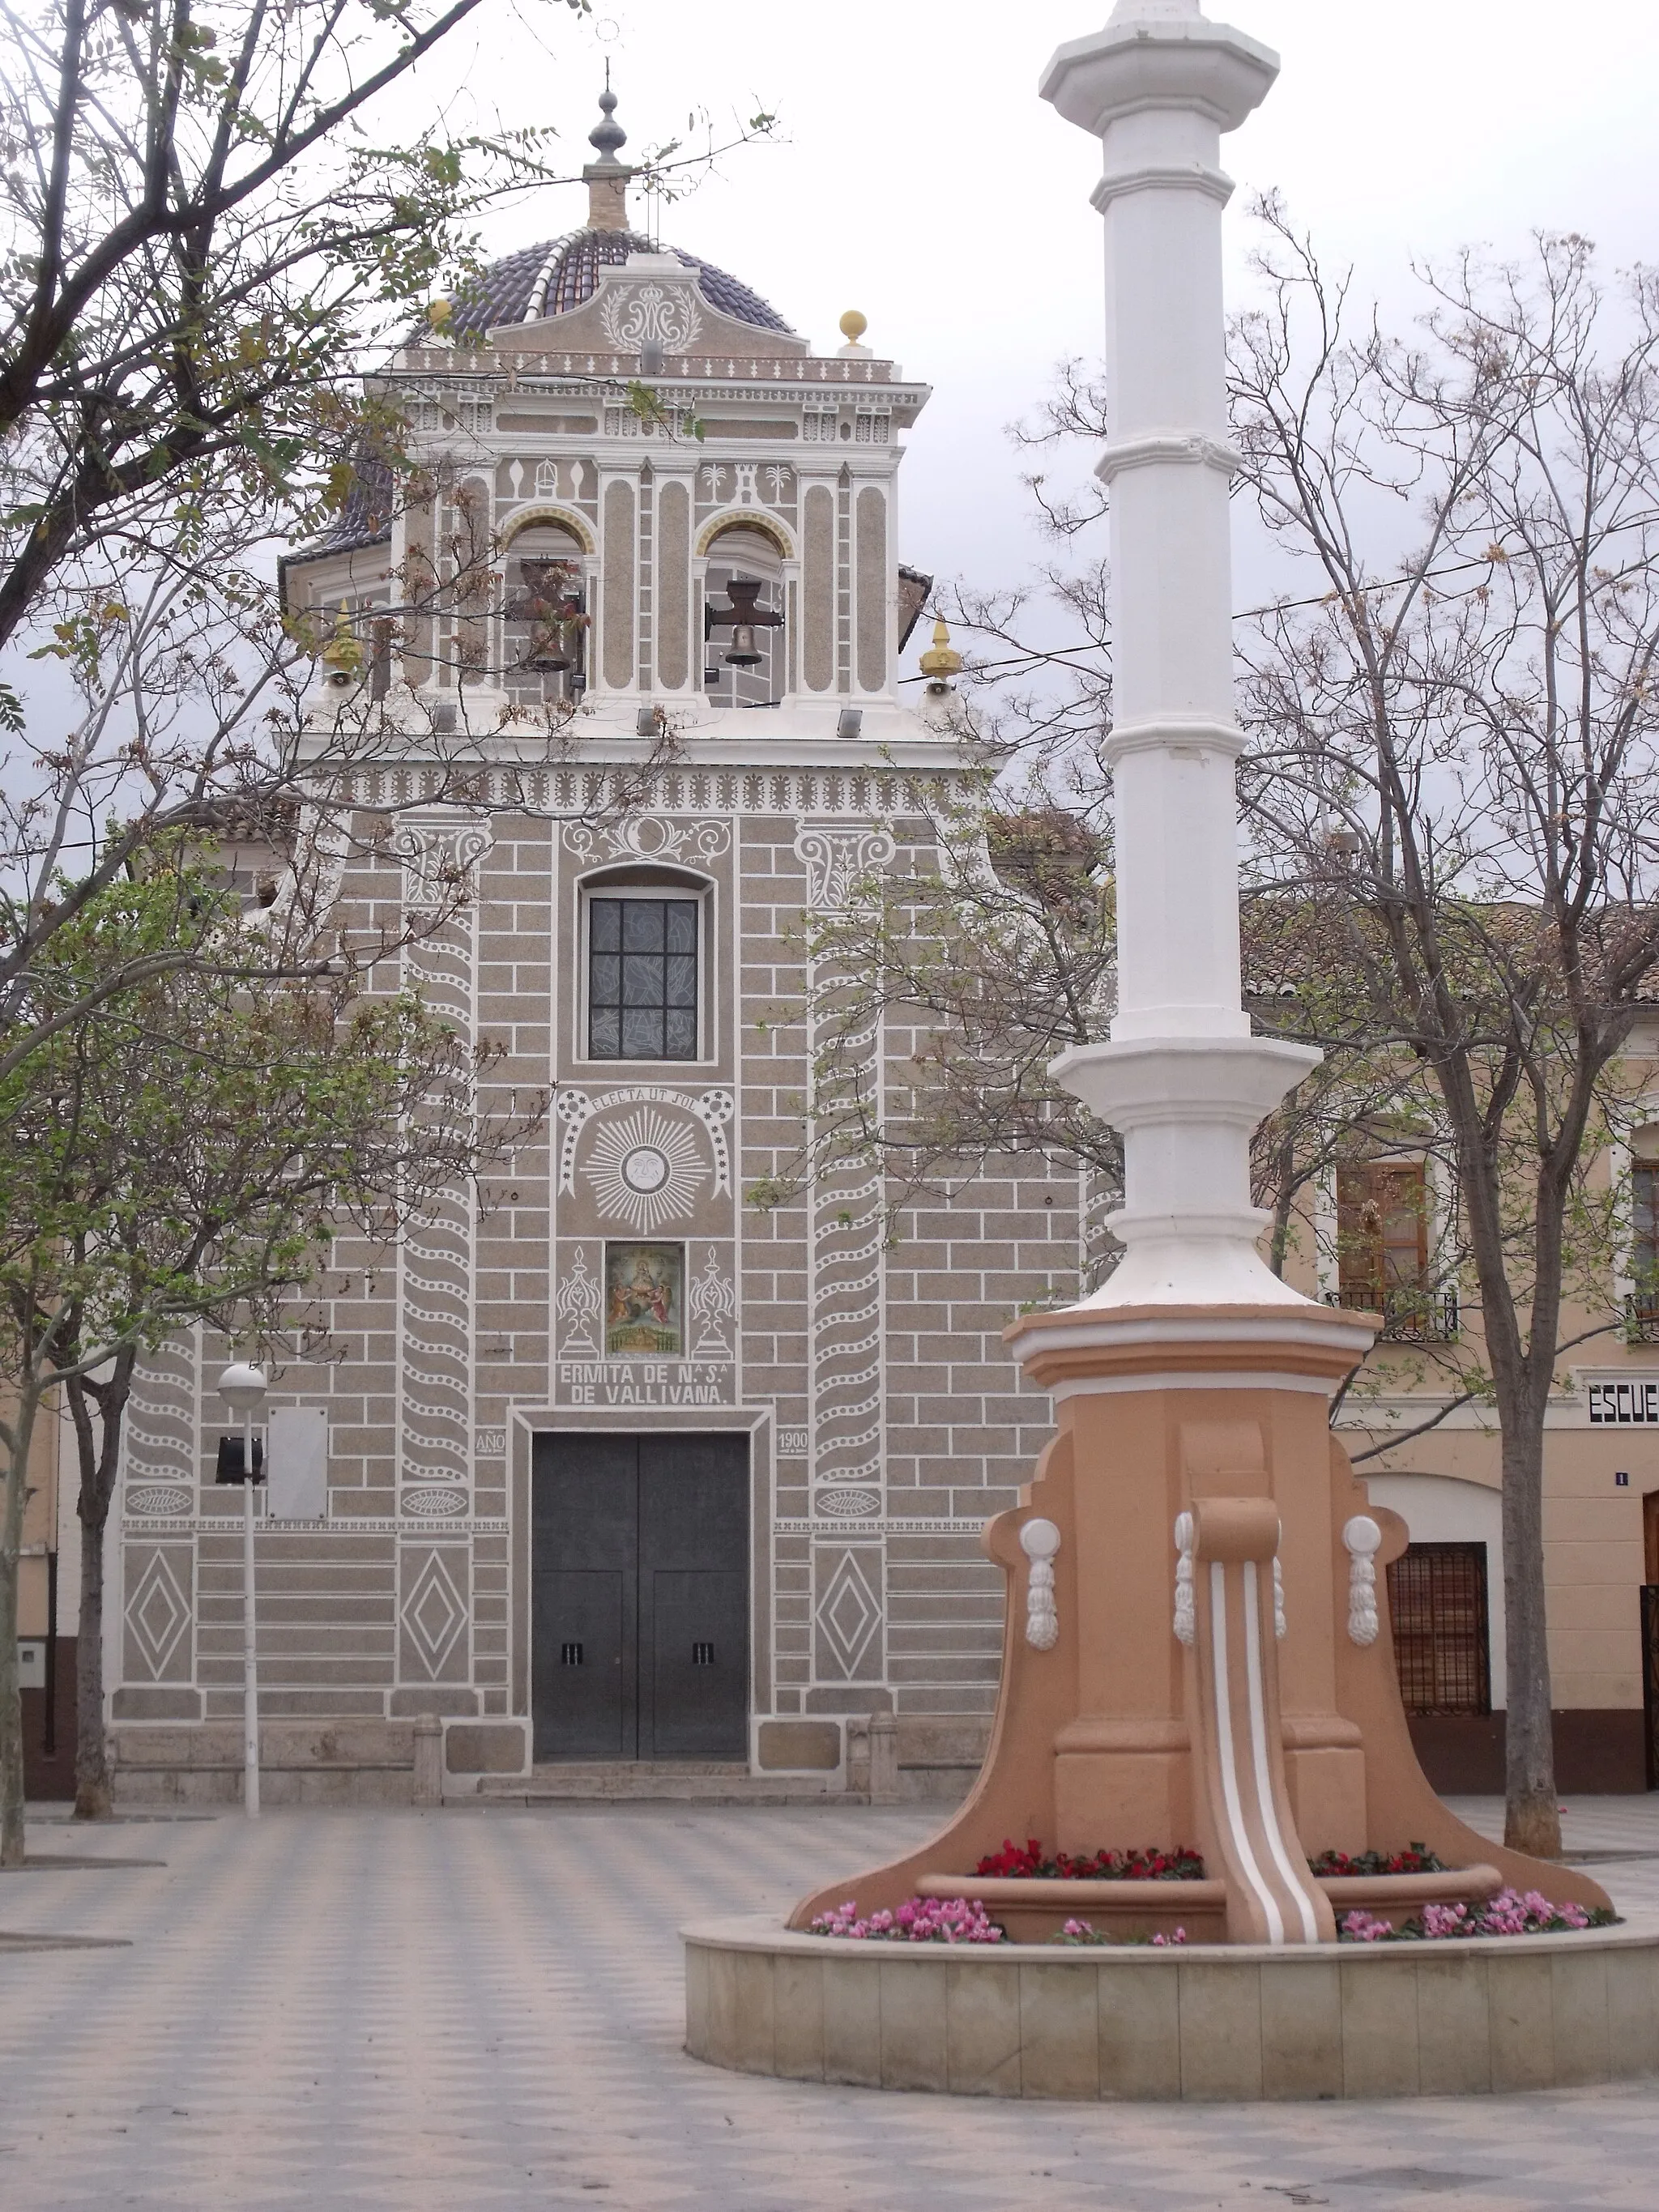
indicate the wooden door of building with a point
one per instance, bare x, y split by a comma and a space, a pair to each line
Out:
640, 1596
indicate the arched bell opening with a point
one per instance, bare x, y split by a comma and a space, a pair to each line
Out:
744, 648
545, 616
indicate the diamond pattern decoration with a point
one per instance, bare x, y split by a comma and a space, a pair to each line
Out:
158, 1615
434, 1615
848, 1614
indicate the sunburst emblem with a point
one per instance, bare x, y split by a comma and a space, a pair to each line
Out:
645, 1168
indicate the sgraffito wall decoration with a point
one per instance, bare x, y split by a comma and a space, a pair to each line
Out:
435, 1255
846, 1243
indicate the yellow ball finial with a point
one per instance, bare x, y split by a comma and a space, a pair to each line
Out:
941, 660
853, 325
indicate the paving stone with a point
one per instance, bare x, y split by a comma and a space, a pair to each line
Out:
455, 2010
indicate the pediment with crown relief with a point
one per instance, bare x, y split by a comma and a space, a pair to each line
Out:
653, 298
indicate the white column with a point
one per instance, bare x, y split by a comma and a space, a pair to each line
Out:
1182, 1079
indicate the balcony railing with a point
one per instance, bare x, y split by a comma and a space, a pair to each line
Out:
1409, 1316
1642, 1318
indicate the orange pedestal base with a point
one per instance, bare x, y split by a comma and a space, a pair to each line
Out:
1200, 1675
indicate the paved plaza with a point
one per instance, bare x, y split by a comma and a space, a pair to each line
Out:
439, 2011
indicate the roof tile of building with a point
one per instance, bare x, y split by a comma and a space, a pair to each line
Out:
562, 274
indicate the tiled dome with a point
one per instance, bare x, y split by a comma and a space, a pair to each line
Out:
562, 273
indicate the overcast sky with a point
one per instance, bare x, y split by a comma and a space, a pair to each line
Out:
920, 179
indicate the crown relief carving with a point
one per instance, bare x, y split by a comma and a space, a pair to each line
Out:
651, 313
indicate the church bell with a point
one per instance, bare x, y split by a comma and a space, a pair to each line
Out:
744, 617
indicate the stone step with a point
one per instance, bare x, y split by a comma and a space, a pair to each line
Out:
604, 1781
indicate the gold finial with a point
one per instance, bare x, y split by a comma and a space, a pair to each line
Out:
941, 660
853, 325
343, 654
438, 313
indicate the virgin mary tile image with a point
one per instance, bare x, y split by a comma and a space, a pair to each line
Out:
644, 1301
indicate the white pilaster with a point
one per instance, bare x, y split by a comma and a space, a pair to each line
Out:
1182, 1078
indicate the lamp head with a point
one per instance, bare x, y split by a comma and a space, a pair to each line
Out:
243, 1387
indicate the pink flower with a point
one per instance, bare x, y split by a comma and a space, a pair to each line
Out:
1443, 1920
1366, 1928
917, 1920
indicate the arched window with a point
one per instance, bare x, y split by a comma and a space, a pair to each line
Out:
545, 630
645, 936
749, 556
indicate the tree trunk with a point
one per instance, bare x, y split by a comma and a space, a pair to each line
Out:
1532, 1818
1521, 1377
91, 1789
11, 1704
1285, 1197
99, 1455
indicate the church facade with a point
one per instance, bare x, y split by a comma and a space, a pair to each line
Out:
664, 1457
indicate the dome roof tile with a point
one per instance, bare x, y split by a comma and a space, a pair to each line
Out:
562, 274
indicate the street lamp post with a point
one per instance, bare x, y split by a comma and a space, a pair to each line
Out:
243, 1388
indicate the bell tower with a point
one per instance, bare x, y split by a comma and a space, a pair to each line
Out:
653, 501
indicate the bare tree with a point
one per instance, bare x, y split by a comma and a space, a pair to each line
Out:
1454, 747
207, 245
202, 231
997, 952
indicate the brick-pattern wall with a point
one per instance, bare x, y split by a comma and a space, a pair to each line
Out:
875, 1590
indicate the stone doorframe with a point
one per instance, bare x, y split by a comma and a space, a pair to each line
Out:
757, 1422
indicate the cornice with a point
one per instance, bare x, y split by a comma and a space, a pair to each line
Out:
1155, 1347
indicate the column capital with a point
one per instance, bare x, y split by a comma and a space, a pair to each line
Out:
1158, 61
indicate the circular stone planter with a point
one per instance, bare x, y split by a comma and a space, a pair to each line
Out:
1235, 2023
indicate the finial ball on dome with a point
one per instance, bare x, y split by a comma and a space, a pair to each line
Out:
853, 325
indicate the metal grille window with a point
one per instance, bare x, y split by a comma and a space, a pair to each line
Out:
642, 979
1438, 1599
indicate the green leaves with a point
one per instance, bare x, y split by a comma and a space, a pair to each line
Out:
188, 1147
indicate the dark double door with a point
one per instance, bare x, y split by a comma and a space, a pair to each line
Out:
640, 1598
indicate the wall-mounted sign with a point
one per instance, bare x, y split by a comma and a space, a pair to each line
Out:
643, 1382
1625, 1405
